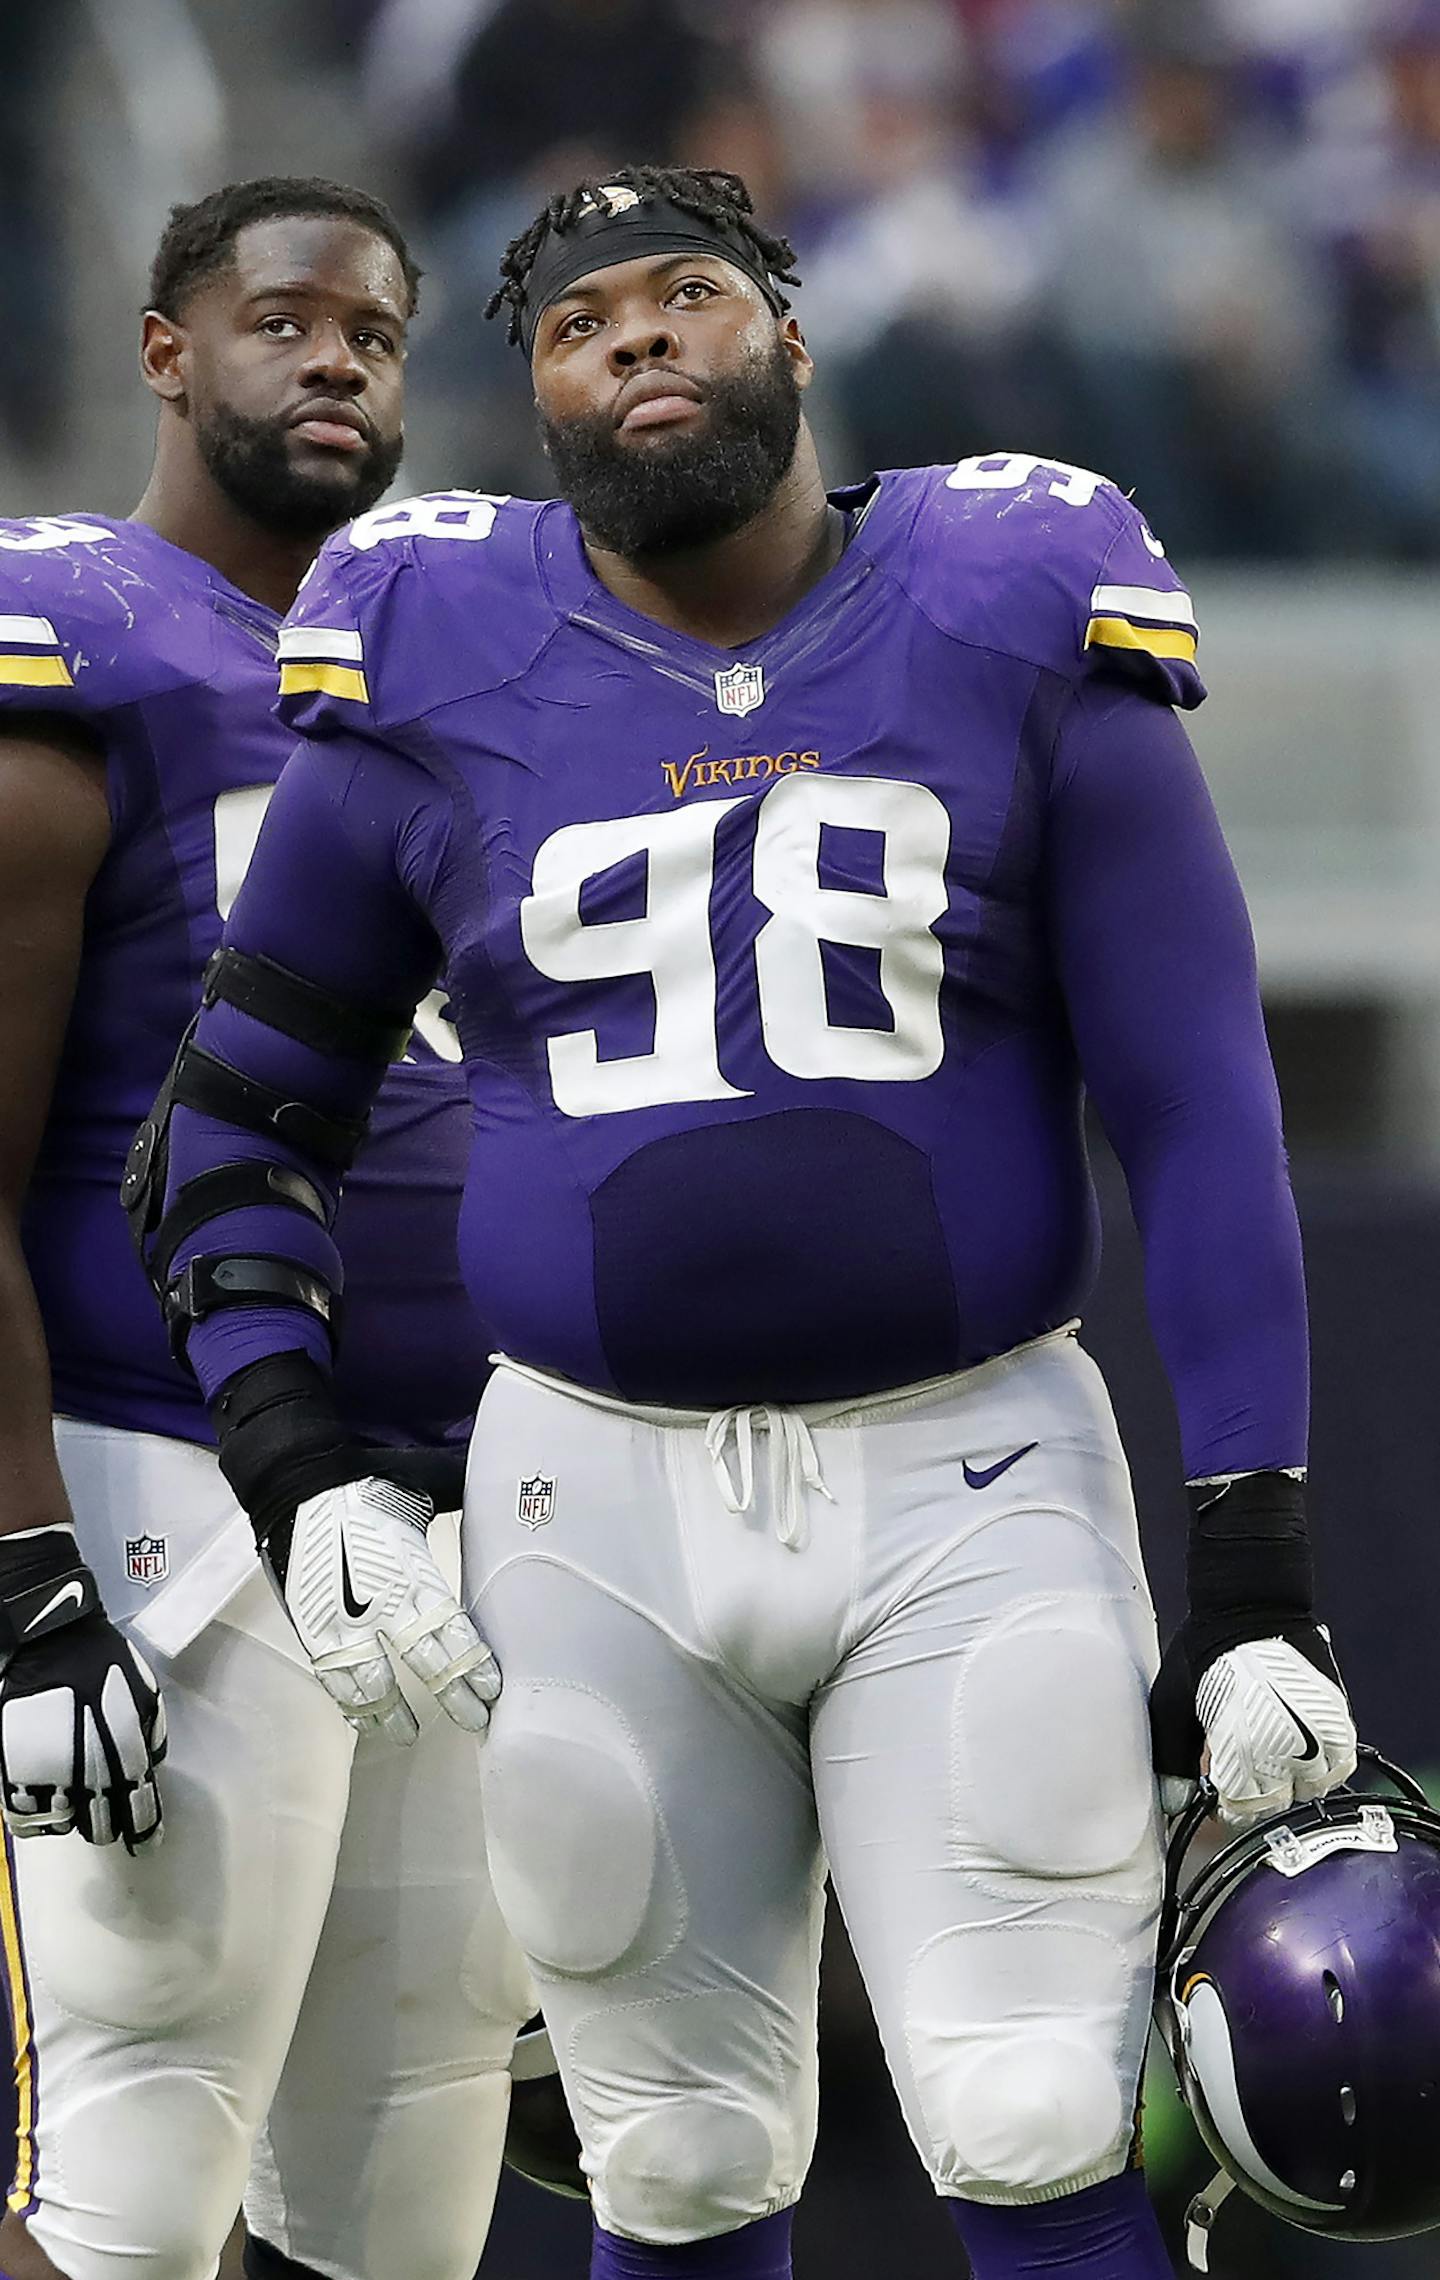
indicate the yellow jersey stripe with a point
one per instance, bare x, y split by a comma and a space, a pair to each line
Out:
331, 680
35, 673
1118, 633
20, 2195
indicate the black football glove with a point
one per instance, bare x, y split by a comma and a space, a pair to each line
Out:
82, 1726
1250, 1676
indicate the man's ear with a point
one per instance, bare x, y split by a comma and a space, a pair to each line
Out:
164, 357
799, 355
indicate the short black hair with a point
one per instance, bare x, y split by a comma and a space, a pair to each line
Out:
708, 192
200, 239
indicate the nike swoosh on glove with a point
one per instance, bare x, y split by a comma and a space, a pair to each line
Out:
356, 1575
82, 1730
1277, 1726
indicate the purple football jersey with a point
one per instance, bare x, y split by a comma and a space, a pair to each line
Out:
779, 972
173, 670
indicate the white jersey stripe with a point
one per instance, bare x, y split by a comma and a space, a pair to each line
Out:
307, 641
29, 629
1170, 608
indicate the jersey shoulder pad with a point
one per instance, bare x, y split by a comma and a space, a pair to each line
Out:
1053, 564
86, 626
409, 607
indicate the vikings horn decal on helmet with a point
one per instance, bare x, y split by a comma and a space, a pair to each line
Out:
1299, 1997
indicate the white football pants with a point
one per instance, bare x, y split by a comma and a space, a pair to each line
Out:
305, 1984
912, 1636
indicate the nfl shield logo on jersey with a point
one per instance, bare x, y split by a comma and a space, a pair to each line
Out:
741, 689
147, 1559
535, 1502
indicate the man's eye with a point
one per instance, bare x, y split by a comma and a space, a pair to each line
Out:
375, 343
700, 286
581, 317
279, 328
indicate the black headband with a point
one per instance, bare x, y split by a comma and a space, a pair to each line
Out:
622, 229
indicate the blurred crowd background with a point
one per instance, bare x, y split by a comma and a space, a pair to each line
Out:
1194, 243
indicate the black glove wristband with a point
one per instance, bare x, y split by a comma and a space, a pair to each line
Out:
1250, 1577
44, 1584
281, 1439
1249, 1570
436, 1473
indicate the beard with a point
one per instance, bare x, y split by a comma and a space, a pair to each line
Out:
252, 463
674, 492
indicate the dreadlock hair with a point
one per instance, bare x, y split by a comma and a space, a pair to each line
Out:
707, 192
200, 239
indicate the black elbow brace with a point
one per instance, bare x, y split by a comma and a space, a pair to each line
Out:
197, 1079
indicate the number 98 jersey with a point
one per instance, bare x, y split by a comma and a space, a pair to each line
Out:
751, 952
170, 672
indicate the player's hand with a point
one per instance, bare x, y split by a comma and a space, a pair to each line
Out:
356, 1575
1273, 1719
82, 1726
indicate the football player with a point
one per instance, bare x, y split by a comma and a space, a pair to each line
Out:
795, 861
309, 1982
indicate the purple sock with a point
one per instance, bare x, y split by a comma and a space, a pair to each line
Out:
756, 2252
1106, 2232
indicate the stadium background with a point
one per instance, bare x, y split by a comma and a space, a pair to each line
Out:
1197, 246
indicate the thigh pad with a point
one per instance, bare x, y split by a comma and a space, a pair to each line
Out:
584, 1871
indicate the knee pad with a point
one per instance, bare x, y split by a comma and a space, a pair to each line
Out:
582, 1867
686, 2169
1029, 2112
1024, 2042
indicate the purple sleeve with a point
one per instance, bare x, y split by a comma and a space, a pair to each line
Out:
333, 894
1157, 963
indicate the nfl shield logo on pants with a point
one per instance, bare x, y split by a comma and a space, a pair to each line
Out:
741, 689
147, 1559
535, 1501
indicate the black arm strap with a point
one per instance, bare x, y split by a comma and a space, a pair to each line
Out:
301, 1009
213, 1088
229, 1187
199, 1081
205, 1285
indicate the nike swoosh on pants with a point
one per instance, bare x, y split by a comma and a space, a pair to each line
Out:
980, 1476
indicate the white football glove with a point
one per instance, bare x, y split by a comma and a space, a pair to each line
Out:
1278, 1731
358, 1576
82, 1726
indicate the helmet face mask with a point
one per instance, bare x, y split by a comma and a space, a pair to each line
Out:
1299, 1995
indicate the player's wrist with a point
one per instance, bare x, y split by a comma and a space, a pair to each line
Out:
45, 1585
281, 1440
1250, 1573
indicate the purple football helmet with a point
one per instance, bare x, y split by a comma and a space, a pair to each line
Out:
1299, 1996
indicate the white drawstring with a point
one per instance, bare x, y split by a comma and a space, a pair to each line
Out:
794, 1464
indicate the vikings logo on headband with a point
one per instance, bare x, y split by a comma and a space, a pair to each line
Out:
617, 224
